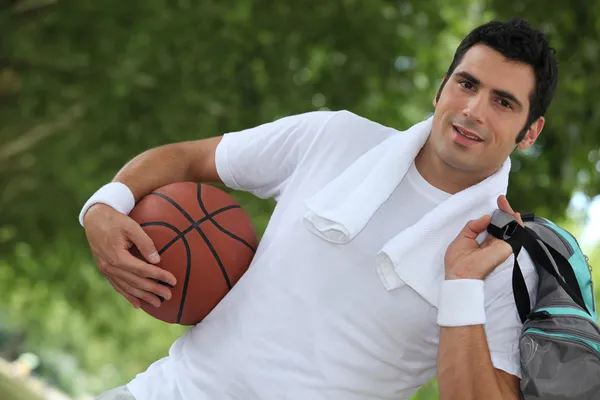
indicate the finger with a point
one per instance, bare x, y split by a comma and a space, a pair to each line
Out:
121, 287
135, 302
139, 283
128, 261
474, 227
139, 294
489, 239
149, 286
142, 242
496, 253
504, 205
519, 219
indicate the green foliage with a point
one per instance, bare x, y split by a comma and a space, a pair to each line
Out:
86, 86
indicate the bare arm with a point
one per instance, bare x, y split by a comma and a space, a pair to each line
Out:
178, 162
465, 369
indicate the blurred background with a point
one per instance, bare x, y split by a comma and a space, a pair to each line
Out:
87, 85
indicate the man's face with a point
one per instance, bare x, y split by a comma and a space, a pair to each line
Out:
486, 98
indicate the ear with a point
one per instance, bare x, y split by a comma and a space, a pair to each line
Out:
438, 91
532, 134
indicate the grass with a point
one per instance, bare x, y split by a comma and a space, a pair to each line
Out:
429, 391
12, 389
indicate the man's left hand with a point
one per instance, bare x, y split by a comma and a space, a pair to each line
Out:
467, 259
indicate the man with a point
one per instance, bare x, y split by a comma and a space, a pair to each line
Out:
330, 312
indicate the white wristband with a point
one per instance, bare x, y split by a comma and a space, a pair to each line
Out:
461, 302
114, 194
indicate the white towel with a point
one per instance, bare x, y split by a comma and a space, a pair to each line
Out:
415, 256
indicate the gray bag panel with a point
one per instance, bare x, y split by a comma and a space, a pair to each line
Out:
548, 235
549, 293
558, 369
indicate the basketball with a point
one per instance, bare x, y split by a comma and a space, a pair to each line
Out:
204, 238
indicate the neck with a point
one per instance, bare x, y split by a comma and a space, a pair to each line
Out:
443, 176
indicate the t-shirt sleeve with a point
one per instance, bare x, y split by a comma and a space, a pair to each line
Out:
261, 160
503, 325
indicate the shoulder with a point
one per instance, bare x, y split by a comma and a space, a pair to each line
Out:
326, 135
354, 124
350, 134
343, 122
325, 143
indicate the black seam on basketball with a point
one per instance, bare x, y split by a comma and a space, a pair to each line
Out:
211, 248
215, 223
188, 267
188, 271
214, 252
166, 225
193, 226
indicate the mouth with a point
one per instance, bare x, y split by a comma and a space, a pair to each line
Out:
466, 133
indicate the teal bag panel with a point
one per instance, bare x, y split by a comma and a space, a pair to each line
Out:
581, 268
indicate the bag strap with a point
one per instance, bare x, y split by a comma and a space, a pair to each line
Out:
546, 257
520, 291
567, 280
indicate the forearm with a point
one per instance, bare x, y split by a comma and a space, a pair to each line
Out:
154, 168
178, 162
465, 369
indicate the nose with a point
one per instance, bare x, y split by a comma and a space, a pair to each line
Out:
475, 108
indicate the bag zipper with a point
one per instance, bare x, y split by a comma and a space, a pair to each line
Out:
566, 304
587, 261
541, 315
563, 339
575, 332
572, 305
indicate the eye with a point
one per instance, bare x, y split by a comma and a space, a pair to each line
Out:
467, 85
505, 103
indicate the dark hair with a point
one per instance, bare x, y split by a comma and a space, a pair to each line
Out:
517, 41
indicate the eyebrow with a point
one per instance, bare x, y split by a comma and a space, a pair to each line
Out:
498, 92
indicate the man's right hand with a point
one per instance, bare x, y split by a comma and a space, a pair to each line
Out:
111, 234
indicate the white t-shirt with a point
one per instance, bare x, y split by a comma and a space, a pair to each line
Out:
311, 319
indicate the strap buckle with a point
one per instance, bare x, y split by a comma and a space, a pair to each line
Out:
509, 230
